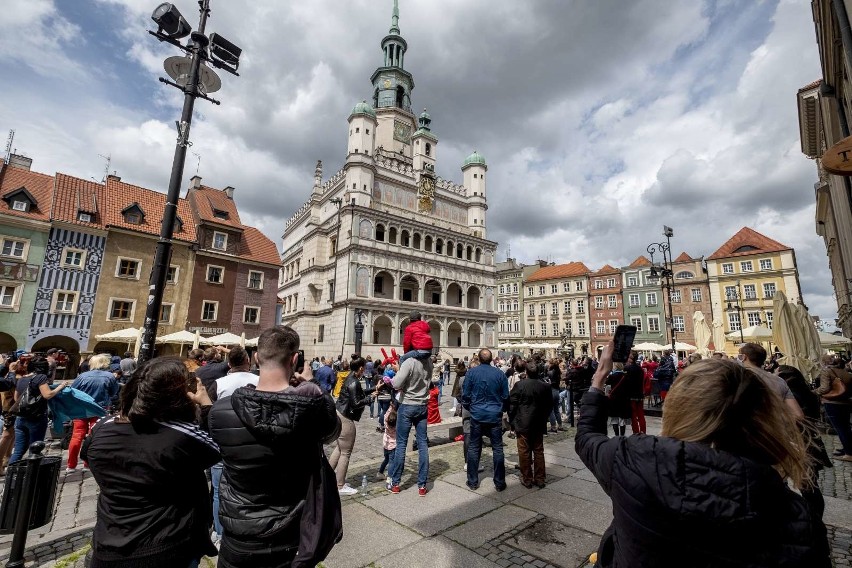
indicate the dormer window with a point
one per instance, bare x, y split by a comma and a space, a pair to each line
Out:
133, 214
20, 205
178, 225
220, 241
20, 200
219, 214
84, 217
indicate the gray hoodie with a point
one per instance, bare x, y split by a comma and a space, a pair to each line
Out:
413, 380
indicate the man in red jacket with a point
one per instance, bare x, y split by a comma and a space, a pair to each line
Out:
416, 340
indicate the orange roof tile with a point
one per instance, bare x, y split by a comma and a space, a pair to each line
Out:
606, 269
257, 246
559, 271
207, 200
69, 192
754, 241
683, 257
641, 260
811, 85
120, 195
40, 186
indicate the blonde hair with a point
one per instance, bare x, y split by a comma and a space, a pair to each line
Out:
731, 408
101, 361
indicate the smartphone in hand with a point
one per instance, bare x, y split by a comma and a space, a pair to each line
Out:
624, 336
300, 362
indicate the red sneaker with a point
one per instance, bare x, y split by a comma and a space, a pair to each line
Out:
394, 489
422, 491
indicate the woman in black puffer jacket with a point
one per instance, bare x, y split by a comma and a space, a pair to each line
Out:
350, 406
712, 490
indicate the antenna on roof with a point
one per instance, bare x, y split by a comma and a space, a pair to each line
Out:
198, 164
9, 146
108, 159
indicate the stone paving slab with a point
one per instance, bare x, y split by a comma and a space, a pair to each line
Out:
585, 475
561, 545
367, 536
838, 512
480, 530
436, 552
567, 509
445, 506
583, 489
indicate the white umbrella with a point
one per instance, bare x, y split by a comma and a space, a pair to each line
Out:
251, 342
138, 346
197, 339
648, 346
751, 333
831, 340
130, 334
243, 340
718, 335
227, 338
811, 334
182, 337
681, 346
789, 335
702, 333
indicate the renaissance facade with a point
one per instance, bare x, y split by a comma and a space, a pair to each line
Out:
385, 236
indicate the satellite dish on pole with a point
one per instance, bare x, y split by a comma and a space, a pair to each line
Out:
178, 68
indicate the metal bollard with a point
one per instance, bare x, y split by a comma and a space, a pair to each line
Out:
22, 520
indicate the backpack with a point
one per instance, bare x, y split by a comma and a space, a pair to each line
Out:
29, 405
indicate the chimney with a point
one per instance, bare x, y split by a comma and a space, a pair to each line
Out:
229, 191
114, 177
195, 182
18, 161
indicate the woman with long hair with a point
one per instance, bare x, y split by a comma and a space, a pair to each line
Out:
350, 406
712, 489
149, 462
31, 421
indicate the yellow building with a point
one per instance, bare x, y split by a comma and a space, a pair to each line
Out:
744, 275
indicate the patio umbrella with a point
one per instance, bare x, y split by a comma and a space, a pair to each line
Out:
681, 346
788, 334
756, 333
827, 340
648, 346
129, 335
227, 338
251, 342
181, 337
702, 333
718, 335
197, 339
811, 334
243, 340
138, 346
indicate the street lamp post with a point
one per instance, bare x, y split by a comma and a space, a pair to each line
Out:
196, 80
359, 331
737, 308
664, 273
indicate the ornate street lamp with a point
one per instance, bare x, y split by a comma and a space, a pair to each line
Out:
359, 331
190, 74
664, 273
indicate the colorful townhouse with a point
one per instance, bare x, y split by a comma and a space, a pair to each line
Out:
132, 216
744, 274
27, 198
235, 277
690, 294
556, 306
643, 304
605, 306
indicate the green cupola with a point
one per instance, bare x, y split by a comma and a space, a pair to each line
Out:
363, 108
475, 159
392, 84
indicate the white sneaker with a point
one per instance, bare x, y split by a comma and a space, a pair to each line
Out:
70, 469
465, 467
347, 490
453, 409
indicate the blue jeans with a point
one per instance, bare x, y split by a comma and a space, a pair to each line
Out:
368, 382
383, 408
27, 431
418, 353
409, 415
389, 454
837, 414
474, 452
215, 476
440, 388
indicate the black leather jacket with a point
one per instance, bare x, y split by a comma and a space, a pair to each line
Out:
270, 445
353, 398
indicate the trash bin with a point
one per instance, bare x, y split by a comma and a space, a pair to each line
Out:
44, 499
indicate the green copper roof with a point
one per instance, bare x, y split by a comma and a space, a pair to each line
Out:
363, 108
394, 29
475, 158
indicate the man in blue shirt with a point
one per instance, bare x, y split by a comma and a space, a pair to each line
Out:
485, 392
99, 383
325, 376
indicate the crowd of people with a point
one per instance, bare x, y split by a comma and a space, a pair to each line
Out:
221, 453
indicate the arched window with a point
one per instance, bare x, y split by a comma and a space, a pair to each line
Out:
684, 275
428, 149
459, 251
365, 229
449, 248
439, 246
470, 253
416, 241
404, 238
478, 256
380, 232
428, 241
392, 235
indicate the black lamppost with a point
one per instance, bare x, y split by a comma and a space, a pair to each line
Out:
736, 307
664, 272
359, 331
191, 75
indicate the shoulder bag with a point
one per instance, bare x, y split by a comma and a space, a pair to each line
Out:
29, 405
840, 391
321, 524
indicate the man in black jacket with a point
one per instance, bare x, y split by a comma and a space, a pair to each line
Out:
530, 404
270, 437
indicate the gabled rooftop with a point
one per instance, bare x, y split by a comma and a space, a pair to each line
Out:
70, 191
568, 270
124, 197
683, 257
214, 206
39, 188
256, 246
745, 242
640, 261
605, 270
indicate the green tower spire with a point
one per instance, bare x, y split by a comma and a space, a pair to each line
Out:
395, 18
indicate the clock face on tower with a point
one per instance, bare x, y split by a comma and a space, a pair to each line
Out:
402, 132
387, 84
425, 194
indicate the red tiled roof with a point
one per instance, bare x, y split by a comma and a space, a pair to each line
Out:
206, 199
641, 260
257, 246
40, 186
120, 195
810, 86
606, 269
69, 192
683, 257
559, 271
747, 237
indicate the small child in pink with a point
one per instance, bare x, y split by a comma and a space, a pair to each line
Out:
389, 442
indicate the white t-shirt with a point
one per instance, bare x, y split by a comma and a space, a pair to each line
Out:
226, 385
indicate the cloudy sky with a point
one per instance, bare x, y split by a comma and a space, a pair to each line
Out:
600, 120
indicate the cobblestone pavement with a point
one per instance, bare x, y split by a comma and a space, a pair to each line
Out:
555, 527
